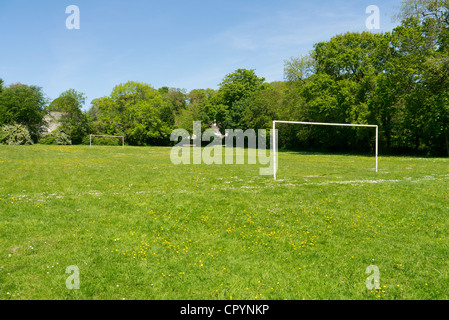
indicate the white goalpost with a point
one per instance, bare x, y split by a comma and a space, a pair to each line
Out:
106, 136
275, 160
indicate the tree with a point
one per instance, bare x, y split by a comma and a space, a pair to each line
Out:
73, 122
23, 104
419, 68
352, 55
430, 12
232, 97
335, 84
70, 101
298, 69
15, 134
264, 106
176, 102
134, 109
198, 108
436, 83
437, 10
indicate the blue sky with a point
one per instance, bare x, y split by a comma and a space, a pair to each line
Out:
184, 44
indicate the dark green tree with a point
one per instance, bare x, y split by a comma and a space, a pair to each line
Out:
176, 101
73, 121
233, 97
198, 108
23, 104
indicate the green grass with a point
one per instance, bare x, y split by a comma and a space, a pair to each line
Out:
139, 227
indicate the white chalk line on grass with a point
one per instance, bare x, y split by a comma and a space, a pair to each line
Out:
353, 182
358, 182
227, 186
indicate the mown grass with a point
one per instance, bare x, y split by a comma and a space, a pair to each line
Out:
139, 227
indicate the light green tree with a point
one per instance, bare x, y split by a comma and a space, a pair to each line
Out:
134, 109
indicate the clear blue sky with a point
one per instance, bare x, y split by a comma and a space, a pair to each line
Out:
184, 44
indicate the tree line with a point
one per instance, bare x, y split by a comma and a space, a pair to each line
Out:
398, 80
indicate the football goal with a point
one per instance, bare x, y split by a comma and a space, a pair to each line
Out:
122, 138
275, 155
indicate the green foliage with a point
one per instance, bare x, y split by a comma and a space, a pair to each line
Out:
57, 137
69, 101
15, 134
24, 105
176, 102
233, 96
350, 56
75, 128
239, 85
176, 96
61, 138
103, 141
264, 106
436, 10
398, 80
73, 122
198, 108
300, 68
137, 111
47, 139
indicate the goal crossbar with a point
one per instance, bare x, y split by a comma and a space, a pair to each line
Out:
106, 136
275, 160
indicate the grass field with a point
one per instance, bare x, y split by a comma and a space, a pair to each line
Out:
138, 227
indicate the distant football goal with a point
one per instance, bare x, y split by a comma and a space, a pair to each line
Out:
106, 140
275, 146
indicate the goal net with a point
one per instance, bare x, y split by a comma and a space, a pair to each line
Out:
275, 146
106, 140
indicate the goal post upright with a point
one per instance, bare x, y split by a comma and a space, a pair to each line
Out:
377, 148
322, 124
274, 150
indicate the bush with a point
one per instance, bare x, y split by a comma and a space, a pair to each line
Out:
15, 134
62, 138
48, 139
56, 137
103, 141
